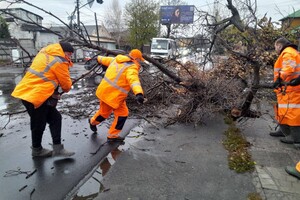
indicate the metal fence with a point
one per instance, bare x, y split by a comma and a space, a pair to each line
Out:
7, 47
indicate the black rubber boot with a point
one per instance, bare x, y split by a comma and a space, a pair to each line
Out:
118, 139
277, 133
295, 132
92, 127
287, 140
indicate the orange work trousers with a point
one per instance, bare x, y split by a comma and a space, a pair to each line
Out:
120, 116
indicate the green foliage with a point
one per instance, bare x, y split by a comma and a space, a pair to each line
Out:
254, 196
4, 33
228, 120
239, 159
142, 19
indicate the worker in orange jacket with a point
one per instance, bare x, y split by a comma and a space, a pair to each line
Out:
122, 75
38, 92
287, 89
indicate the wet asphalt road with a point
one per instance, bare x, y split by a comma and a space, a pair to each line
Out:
56, 178
53, 178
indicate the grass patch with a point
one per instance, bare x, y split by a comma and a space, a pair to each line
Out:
254, 196
239, 159
228, 120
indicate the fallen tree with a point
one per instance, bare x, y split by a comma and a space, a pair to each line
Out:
230, 85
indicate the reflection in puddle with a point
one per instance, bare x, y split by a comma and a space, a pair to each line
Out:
7, 84
93, 186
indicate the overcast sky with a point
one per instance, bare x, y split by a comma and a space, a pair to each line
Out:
276, 9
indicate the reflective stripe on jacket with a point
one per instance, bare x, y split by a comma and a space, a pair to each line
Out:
288, 67
121, 76
49, 69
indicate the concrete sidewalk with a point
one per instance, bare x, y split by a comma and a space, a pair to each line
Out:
271, 156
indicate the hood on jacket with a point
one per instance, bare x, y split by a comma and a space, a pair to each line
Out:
55, 50
122, 58
289, 45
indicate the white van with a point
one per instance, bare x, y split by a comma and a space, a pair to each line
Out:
163, 48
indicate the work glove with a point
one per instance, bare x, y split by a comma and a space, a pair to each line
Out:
295, 81
140, 98
277, 83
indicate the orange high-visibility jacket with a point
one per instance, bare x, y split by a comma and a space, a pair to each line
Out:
287, 67
298, 166
49, 69
121, 76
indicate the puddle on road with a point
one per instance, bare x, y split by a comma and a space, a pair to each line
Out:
8, 82
90, 189
93, 185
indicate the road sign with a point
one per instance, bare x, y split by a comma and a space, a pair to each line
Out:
183, 14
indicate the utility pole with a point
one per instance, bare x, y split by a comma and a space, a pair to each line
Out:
78, 17
98, 40
216, 9
77, 8
168, 29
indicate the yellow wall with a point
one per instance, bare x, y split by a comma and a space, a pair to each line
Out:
291, 22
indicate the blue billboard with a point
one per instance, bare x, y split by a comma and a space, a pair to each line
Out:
177, 14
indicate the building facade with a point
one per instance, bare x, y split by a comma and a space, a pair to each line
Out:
27, 31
